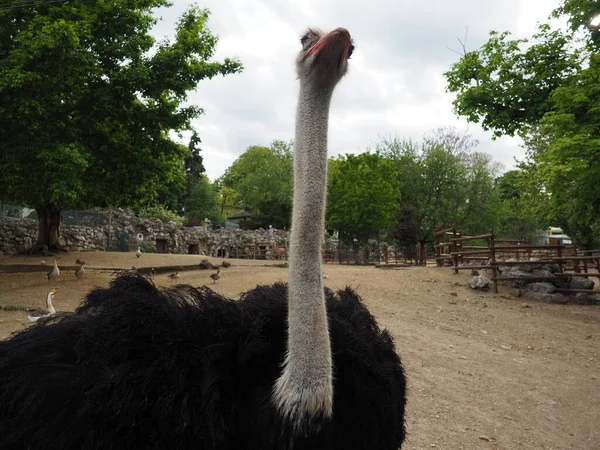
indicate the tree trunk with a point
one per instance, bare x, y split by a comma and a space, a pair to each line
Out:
422, 254
49, 221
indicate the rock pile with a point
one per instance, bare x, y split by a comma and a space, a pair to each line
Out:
543, 283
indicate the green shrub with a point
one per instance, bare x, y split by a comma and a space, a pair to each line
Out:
160, 212
147, 247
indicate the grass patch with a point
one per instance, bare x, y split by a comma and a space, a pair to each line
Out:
15, 308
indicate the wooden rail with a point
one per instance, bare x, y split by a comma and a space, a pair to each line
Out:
570, 261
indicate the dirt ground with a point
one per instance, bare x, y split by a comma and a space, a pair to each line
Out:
485, 370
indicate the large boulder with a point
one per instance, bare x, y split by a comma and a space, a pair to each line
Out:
544, 288
558, 299
581, 283
480, 282
516, 272
542, 273
555, 298
583, 298
523, 268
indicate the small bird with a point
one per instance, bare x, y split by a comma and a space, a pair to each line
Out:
215, 276
80, 271
34, 316
152, 273
55, 271
174, 276
139, 252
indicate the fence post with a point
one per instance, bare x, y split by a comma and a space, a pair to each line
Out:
454, 248
436, 243
492, 248
560, 261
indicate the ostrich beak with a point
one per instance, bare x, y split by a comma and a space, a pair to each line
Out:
338, 34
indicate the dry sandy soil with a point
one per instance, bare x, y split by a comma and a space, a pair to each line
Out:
485, 371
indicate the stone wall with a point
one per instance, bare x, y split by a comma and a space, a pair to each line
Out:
18, 236
155, 235
126, 232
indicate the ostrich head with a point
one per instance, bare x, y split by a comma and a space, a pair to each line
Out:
323, 60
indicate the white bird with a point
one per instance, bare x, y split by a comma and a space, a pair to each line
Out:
139, 252
55, 272
37, 314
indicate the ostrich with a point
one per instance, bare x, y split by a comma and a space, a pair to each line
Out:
288, 366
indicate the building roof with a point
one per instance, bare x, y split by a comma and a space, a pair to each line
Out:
240, 215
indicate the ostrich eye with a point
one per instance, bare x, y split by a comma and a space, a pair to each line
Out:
309, 39
350, 50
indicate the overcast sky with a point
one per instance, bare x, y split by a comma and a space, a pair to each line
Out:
395, 84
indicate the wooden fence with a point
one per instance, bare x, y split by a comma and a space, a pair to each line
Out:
451, 251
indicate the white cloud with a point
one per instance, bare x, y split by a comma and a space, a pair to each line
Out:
395, 85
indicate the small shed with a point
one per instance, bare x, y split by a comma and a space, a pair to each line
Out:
240, 217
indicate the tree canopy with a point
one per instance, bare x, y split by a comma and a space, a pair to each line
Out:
89, 103
443, 181
202, 201
519, 202
362, 196
546, 90
262, 178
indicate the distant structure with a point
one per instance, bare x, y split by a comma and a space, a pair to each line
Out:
553, 236
238, 219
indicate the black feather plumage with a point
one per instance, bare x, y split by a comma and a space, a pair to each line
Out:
137, 367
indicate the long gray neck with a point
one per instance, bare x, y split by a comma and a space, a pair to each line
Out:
305, 388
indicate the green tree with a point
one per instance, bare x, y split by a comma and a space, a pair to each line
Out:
479, 214
443, 182
506, 84
546, 90
262, 177
88, 102
519, 198
580, 14
228, 200
202, 201
405, 233
175, 194
362, 196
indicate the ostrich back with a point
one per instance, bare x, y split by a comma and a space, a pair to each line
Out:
185, 368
